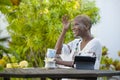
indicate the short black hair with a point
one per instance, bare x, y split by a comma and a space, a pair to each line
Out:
85, 20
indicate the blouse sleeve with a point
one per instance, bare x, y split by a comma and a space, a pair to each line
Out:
67, 49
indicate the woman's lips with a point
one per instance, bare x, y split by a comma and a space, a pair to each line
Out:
74, 32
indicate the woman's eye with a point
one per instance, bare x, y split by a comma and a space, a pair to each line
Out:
76, 24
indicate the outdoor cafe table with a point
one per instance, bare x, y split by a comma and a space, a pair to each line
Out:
55, 73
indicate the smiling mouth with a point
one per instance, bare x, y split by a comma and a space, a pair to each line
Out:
74, 32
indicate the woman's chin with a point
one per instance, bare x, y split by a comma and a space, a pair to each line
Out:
75, 36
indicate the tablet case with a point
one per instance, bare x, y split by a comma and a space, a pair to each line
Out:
84, 62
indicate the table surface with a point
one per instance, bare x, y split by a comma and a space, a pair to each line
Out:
56, 73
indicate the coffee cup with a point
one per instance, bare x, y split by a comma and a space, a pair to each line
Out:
51, 53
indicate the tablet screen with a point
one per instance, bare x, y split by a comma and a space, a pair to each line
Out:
84, 59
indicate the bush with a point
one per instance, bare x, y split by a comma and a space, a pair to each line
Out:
34, 25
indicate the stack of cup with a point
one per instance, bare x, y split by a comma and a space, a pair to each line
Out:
49, 60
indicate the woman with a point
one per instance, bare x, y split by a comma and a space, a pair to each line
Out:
84, 43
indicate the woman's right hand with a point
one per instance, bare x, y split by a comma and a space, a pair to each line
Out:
65, 22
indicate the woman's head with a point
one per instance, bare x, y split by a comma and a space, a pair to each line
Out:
84, 19
81, 25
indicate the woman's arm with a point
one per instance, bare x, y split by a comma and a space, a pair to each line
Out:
65, 63
59, 43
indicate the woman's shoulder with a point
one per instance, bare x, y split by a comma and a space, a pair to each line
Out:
96, 41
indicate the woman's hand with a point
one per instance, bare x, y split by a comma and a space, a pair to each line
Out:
58, 61
65, 22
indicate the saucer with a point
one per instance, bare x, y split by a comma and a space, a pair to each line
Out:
50, 64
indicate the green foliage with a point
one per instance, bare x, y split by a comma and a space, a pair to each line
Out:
5, 2
3, 49
108, 63
1, 68
104, 50
35, 25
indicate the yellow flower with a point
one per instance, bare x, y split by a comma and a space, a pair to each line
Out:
15, 65
12, 65
8, 65
23, 64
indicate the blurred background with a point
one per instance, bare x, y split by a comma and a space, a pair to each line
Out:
107, 30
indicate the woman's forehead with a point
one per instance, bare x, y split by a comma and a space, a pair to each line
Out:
76, 23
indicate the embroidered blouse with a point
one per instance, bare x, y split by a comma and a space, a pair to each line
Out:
93, 48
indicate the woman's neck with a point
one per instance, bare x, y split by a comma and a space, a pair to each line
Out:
87, 38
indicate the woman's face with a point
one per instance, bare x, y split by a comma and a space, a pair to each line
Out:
78, 29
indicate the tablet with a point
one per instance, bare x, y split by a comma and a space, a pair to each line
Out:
84, 62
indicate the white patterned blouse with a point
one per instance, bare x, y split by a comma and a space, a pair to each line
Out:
93, 48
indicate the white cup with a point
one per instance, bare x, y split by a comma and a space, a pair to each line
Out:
51, 53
